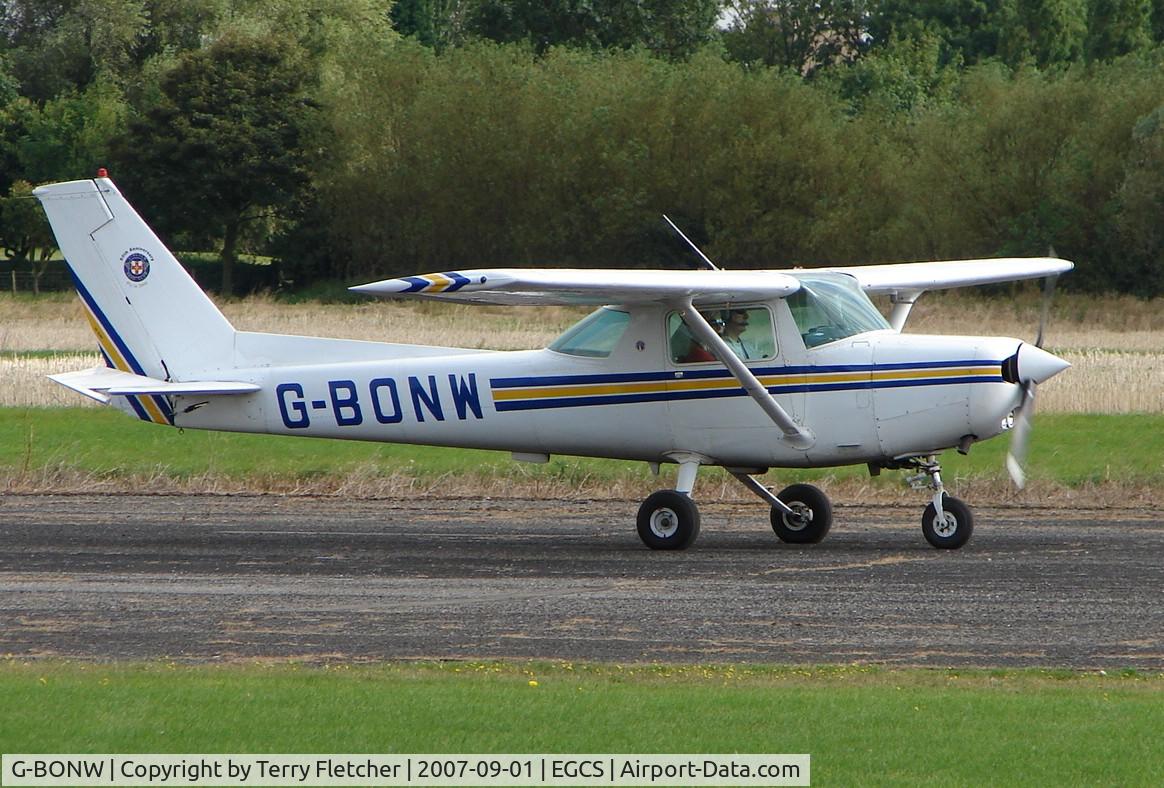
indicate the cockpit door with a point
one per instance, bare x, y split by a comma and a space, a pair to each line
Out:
708, 409
836, 325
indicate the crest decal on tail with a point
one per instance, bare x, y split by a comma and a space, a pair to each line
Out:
136, 264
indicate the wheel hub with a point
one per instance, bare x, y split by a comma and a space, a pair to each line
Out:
946, 525
800, 517
664, 523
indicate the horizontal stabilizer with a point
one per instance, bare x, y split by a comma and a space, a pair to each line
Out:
100, 383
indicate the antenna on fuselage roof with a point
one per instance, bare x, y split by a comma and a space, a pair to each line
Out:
698, 251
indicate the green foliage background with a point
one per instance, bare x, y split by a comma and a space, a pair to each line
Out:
437, 134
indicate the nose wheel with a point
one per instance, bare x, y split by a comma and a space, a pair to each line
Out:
947, 522
952, 528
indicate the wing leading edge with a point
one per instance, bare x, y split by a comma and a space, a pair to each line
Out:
559, 286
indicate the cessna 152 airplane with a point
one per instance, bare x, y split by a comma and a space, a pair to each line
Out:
742, 369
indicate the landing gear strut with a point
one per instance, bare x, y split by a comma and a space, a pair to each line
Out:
669, 519
801, 513
811, 517
947, 522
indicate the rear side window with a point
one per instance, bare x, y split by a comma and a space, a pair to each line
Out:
595, 335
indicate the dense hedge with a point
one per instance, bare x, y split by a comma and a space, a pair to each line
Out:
487, 155
908, 141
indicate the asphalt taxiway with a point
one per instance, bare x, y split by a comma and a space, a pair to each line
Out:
224, 578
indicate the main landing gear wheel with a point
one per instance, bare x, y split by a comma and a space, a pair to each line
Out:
811, 518
953, 529
668, 520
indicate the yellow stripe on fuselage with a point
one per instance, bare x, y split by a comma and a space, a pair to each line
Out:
793, 379
952, 372
584, 390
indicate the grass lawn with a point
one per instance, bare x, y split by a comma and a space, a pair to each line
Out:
103, 446
861, 725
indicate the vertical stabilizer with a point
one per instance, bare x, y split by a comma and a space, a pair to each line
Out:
150, 317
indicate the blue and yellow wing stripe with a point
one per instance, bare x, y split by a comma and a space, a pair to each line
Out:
448, 282
571, 391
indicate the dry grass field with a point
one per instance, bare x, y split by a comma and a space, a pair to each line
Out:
1115, 343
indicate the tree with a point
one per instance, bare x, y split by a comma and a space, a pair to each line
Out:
1141, 201
57, 45
796, 34
901, 77
1118, 27
227, 144
434, 23
9, 85
25, 236
968, 29
1043, 32
69, 136
671, 28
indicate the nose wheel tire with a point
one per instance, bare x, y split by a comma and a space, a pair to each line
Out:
954, 528
811, 518
668, 520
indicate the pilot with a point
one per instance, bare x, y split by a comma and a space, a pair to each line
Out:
735, 323
695, 351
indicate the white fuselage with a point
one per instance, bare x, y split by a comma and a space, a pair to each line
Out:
874, 397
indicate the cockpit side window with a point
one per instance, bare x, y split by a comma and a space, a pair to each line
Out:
746, 330
595, 335
830, 306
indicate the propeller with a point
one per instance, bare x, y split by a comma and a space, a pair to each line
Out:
1028, 370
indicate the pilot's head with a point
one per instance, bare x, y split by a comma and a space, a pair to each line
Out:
735, 321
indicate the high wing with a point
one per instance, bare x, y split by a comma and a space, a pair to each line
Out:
904, 283
558, 286
917, 278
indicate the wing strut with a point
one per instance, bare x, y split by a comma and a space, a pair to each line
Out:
795, 435
903, 302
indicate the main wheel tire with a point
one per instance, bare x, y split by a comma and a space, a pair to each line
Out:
954, 529
668, 520
812, 518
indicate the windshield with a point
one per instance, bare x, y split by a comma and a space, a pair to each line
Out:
831, 306
594, 335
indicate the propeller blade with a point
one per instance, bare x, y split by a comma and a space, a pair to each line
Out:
1016, 457
1031, 369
